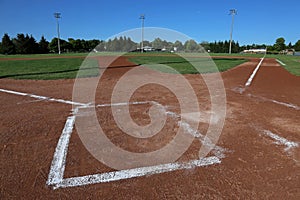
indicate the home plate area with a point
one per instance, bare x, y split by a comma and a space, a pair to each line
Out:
73, 165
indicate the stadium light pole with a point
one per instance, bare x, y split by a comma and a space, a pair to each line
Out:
142, 17
233, 12
57, 16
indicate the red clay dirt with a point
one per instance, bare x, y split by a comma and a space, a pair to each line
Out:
254, 167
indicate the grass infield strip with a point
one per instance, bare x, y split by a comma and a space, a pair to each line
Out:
191, 65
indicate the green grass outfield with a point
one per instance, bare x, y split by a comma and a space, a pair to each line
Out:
53, 66
184, 63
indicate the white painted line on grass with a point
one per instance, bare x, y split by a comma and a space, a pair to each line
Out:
280, 62
281, 140
248, 83
133, 173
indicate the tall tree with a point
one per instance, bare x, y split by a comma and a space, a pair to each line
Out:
178, 45
20, 43
280, 44
43, 45
93, 44
31, 45
130, 45
297, 45
7, 46
64, 45
191, 46
157, 43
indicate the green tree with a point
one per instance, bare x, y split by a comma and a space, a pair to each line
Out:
146, 43
92, 44
191, 46
280, 44
64, 45
100, 46
43, 45
116, 45
77, 45
32, 46
130, 45
157, 43
20, 43
179, 46
297, 46
7, 46
72, 43
205, 45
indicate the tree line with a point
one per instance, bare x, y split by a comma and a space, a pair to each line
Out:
27, 44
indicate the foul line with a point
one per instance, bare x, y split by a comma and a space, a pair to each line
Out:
43, 97
280, 62
248, 83
82, 105
288, 105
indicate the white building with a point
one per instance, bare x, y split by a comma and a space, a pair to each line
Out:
255, 51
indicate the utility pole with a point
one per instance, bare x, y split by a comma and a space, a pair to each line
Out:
233, 12
57, 16
142, 17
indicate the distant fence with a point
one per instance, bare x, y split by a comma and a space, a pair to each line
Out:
297, 54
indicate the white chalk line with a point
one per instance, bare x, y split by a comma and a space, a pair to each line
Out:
288, 105
59, 158
249, 81
280, 62
217, 150
123, 104
55, 177
134, 173
281, 140
43, 97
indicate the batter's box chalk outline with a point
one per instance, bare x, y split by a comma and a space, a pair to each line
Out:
56, 173
57, 169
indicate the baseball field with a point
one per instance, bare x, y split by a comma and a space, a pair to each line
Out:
47, 127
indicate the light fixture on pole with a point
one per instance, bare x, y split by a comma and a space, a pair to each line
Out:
58, 16
142, 17
233, 12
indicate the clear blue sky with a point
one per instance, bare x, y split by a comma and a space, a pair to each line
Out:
258, 21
